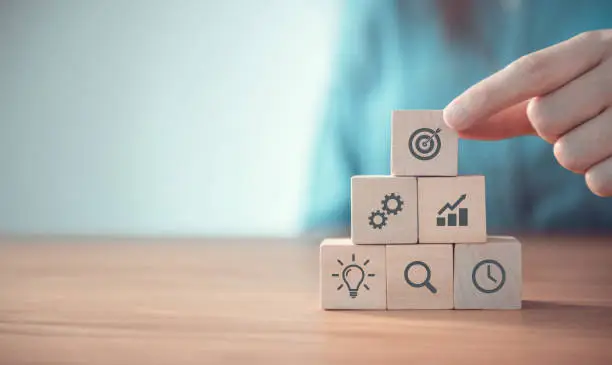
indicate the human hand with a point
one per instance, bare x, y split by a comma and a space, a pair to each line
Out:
562, 93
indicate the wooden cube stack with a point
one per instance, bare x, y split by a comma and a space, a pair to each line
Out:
419, 237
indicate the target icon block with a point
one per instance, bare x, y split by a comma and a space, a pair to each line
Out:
384, 210
422, 144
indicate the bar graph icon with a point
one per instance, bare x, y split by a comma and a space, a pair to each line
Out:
450, 219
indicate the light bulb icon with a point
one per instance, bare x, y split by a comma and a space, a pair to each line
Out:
353, 276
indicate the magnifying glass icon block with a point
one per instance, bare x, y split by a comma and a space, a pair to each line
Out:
426, 282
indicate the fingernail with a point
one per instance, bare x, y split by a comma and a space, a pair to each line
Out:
456, 117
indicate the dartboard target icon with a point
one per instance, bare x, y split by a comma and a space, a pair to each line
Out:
425, 143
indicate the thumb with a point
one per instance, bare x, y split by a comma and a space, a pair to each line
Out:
508, 123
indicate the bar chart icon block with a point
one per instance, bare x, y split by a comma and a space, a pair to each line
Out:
422, 144
452, 209
451, 218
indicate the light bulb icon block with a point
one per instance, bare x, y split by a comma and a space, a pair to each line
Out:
353, 281
352, 277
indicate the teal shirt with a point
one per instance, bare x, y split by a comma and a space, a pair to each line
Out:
395, 55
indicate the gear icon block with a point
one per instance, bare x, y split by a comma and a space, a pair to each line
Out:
384, 209
378, 219
392, 204
395, 207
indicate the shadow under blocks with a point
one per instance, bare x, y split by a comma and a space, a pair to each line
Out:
419, 236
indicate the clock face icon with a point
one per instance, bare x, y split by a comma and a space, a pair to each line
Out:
488, 276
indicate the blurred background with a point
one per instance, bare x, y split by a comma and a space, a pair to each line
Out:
239, 118
159, 118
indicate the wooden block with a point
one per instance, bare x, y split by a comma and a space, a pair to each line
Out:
422, 144
489, 275
420, 277
452, 209
383, 210
352, 277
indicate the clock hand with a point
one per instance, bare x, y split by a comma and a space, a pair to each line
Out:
489, 274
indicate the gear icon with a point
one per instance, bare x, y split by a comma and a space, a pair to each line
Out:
399, 204
382, 221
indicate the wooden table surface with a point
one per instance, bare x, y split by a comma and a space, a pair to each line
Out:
256, 302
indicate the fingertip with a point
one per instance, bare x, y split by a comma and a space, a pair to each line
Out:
532, 108
509, 123
542, 125
599, 178
456, 116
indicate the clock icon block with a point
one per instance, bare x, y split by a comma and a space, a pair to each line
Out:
488, 275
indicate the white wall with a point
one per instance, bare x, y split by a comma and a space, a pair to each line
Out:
159, 117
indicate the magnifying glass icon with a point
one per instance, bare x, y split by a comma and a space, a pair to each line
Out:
426, 282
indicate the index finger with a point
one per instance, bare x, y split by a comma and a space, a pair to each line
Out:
532, 75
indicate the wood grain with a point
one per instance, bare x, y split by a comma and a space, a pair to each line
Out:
256, 301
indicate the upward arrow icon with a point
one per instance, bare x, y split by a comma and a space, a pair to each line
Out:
452, 206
